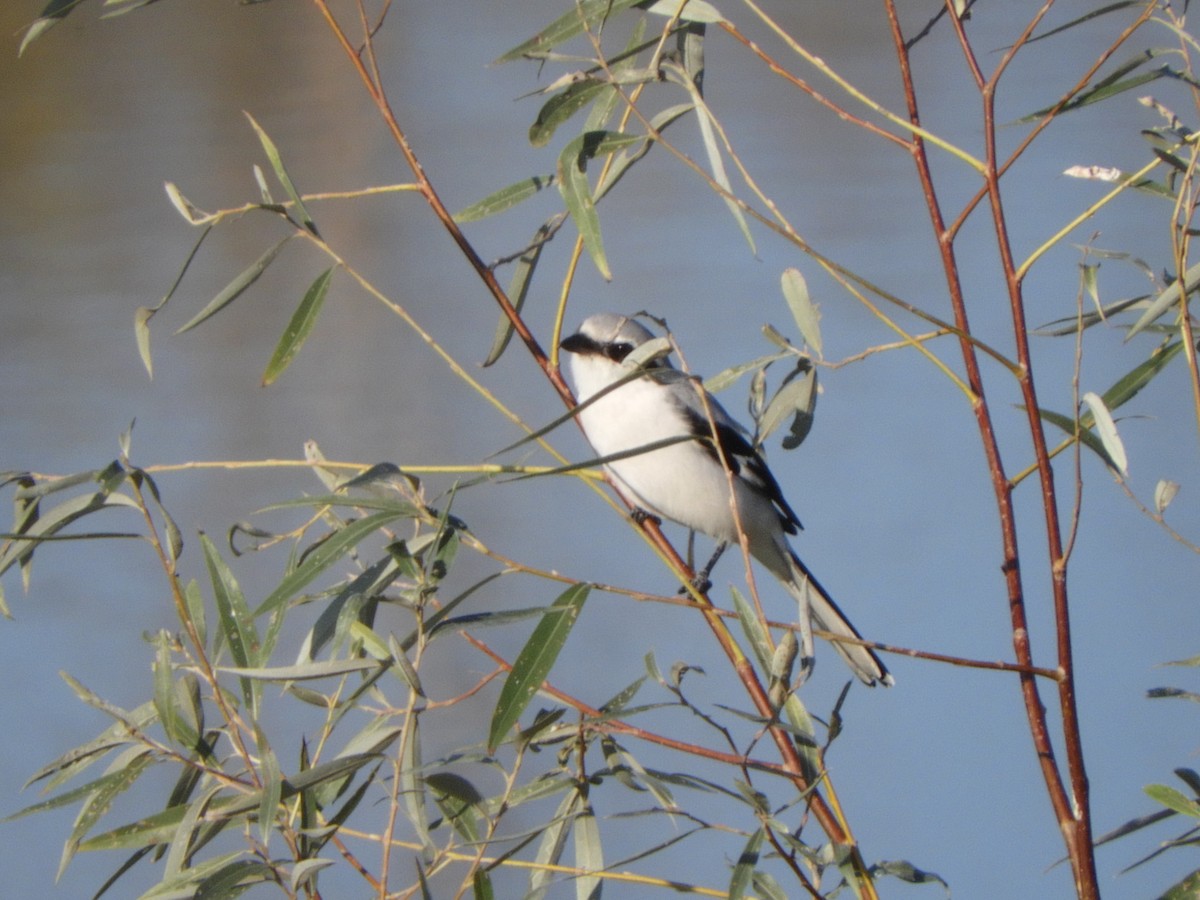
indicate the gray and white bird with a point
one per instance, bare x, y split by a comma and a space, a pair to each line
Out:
686, 481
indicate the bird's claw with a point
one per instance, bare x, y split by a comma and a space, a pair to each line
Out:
642, 516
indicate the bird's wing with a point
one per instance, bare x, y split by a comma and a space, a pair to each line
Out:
744, 460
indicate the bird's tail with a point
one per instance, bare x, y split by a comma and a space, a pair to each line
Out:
825, 613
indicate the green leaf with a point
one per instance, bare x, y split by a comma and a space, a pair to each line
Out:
141, 333
505, 198
482, 885
692, 11
1173, 799
127, 769
585, 15
1187, 889
589, 855
1166, 299
1071, 427
797, 399
281, 173
1164, 493
272, 782
712, 149
233, 879
166, 701
237, 287
1114, 83
237, 624
305, 872
562, 106
74, 761
577, 191
804, 311
535, 661
297, 331
328, 552
1106, 429
743, 870
1127, 386
551, 846
330, 668
518, 289
52, 13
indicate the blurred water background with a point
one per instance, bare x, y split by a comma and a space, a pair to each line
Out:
890, 484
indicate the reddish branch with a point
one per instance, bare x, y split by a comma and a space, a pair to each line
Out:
364, 63
1071, 808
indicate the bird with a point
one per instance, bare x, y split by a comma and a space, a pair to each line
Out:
671, 448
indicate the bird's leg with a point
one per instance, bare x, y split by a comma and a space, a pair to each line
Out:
701, 582
641, 516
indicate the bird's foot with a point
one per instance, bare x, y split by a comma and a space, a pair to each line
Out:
642, 516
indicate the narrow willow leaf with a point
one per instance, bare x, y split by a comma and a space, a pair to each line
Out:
52, 13
907, 872
1173, 799
237, 623
165, 699
622, 163
182, 844
518, 289
728, 377
1086, 435
585, 15
233, 880
712, 149
332, 668
796, 399
804, 310
412, 787
551, 846
182, 882
272, 782
49, 522
458, 800
185, 207
589, 855
74, 761
692, 11
577, 195
1112, 7
752, 627
128, 768
141, 333
281, 173
1164, 493
1106, 428
1128, 385
535, 661
328, 552
743, 870
298, 329
237, 287
304, 873
481, 883
1113, 83
505, 198
562, 106
1166, 299
577, 191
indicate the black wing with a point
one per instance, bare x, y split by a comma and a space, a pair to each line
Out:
743, 459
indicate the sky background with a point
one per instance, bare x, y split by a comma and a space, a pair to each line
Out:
891, 483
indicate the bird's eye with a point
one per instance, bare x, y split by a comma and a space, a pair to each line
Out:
618, 351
